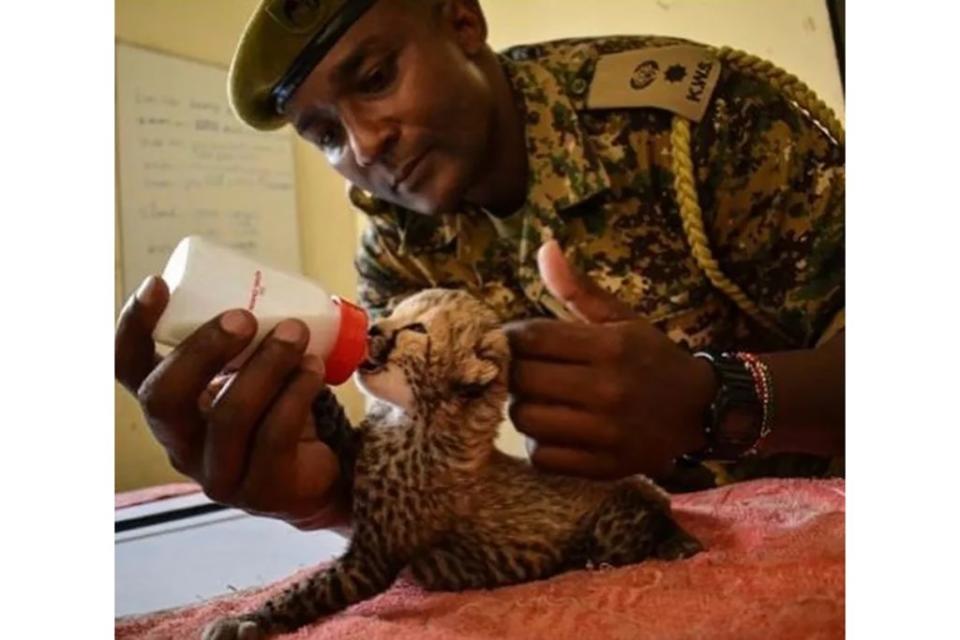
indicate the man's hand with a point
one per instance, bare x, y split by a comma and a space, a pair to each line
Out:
248, 439
607, 397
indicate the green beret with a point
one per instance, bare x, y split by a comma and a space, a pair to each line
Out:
281, 44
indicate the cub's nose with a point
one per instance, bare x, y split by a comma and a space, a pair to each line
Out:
378, 347
377, 341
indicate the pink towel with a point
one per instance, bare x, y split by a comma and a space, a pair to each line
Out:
152, 494
774, 568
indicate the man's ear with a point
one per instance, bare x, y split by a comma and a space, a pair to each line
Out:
469, 25
481, 368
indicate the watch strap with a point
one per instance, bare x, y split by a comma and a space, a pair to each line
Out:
736, 392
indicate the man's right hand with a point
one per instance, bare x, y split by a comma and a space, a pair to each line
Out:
251, 444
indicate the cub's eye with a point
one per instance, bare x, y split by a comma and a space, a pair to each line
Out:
416, 327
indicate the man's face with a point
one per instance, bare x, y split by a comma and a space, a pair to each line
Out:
399, 105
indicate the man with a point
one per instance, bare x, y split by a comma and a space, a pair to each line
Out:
660, 197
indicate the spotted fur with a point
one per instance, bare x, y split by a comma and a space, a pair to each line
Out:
431, 493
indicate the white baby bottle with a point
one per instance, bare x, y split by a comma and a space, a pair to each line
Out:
206, 279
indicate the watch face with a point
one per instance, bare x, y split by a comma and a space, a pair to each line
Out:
736, 415
741, 425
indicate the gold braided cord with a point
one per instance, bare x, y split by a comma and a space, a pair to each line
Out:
685, 186
692, 218
792, 87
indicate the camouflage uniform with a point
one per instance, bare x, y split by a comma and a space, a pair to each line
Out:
770, 183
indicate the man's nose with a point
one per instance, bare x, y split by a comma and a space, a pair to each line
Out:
370, 138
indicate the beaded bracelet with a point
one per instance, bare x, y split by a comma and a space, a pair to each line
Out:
764, 386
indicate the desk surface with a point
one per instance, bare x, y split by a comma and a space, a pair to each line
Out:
192, 559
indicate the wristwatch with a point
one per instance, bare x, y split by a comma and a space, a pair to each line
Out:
733, 423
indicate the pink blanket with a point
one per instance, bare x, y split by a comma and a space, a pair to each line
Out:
774, 568
153, 494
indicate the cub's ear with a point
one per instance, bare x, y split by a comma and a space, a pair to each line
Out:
481, 368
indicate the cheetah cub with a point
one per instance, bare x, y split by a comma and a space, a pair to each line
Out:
432, 495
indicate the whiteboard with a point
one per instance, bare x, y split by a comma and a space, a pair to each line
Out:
187, 166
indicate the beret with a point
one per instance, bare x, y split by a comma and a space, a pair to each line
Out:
281, 44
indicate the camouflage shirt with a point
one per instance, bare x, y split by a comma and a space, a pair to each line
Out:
770, 182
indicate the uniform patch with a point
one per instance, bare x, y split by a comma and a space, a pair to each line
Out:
678, 78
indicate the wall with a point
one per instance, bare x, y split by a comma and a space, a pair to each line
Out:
206, 30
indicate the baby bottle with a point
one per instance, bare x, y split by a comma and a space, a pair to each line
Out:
206, 279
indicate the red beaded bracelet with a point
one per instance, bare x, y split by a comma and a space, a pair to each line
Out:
764, 386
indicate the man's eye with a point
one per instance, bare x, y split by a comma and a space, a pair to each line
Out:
379, 79
327, 138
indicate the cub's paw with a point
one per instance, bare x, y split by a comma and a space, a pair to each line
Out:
678, 546
233, 629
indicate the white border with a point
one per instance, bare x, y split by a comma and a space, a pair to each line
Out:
57, 319
903, 247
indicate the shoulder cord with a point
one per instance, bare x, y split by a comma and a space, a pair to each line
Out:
690, 213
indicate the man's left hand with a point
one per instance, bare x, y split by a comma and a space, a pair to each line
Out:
606, 397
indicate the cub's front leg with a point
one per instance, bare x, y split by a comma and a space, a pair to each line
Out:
363, 572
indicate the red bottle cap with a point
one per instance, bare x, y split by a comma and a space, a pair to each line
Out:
350, 347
